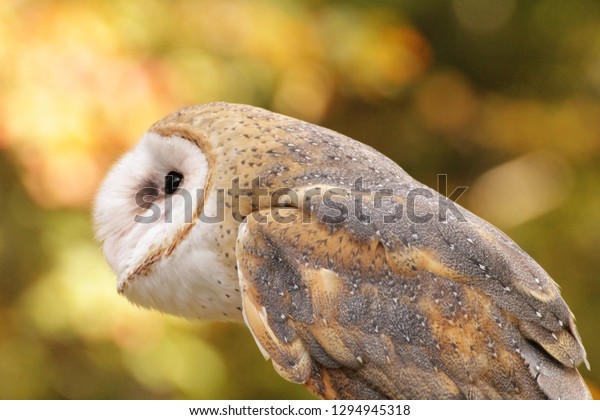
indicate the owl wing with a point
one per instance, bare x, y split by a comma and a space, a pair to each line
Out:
357, 318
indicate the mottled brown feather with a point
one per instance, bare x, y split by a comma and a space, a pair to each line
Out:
417, 336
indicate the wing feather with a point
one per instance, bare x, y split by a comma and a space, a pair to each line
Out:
459, 312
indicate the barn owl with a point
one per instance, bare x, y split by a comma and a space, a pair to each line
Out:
354, 279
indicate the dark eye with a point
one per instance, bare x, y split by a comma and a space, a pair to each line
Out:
172, 181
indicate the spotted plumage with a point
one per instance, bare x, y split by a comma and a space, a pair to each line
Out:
354, 279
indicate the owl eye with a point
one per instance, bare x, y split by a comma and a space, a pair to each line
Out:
172, 181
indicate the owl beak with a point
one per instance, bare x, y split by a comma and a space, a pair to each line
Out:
122, 285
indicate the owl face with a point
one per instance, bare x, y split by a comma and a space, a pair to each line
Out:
145, 210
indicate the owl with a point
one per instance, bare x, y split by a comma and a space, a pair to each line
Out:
354, 279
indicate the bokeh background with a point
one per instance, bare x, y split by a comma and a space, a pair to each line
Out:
500, 95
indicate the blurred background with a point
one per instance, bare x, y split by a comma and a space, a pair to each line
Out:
502, 96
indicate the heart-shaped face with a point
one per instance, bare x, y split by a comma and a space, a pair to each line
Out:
146, 209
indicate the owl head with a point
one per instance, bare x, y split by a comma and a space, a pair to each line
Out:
147, 215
